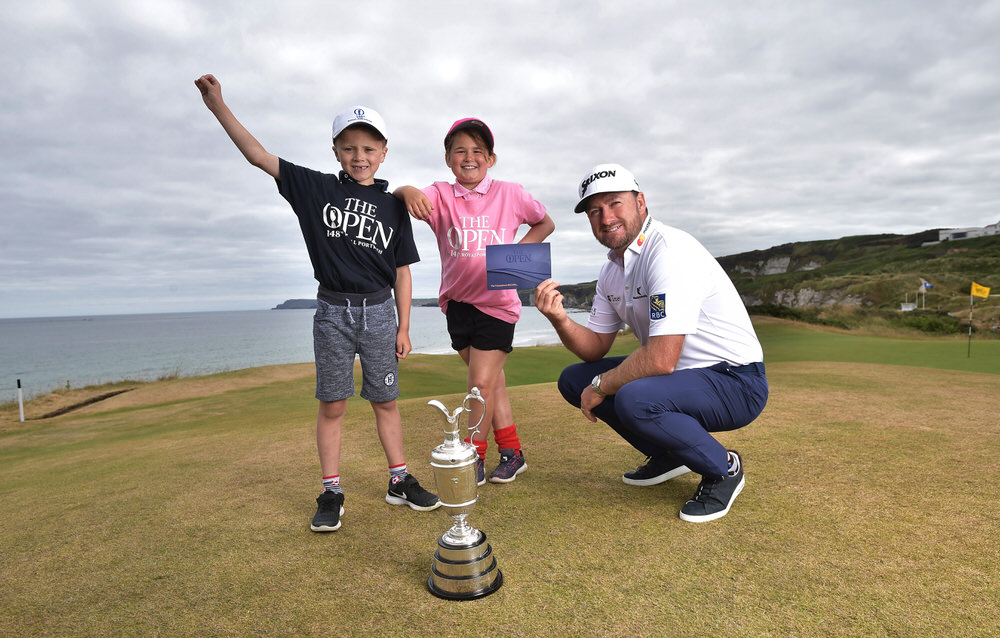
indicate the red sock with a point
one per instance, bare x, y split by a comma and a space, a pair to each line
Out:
480, 447
506, 438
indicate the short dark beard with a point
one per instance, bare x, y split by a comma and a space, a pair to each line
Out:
624, 244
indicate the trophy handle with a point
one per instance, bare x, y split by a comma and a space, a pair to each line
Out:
440, 406
475, 396
451, 417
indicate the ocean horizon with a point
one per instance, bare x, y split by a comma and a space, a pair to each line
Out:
48, 353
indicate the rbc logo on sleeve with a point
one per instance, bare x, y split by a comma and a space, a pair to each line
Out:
657, 307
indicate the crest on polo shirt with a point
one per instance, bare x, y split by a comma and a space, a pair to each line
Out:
657, 307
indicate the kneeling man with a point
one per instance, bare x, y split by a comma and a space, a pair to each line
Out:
699, 368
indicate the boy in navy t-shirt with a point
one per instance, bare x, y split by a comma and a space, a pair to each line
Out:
360, 243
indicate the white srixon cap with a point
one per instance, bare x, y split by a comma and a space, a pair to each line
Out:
606, 178
358, 115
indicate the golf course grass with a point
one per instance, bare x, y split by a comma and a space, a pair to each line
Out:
181, 508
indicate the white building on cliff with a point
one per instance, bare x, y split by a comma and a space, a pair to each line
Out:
953, 234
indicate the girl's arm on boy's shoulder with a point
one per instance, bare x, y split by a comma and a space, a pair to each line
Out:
403, 291
416, 202
254, 151
539, 231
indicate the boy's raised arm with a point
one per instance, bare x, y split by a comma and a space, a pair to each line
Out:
254, 151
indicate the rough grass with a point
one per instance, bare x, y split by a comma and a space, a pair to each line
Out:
182, 508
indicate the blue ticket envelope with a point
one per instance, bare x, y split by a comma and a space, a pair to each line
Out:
517, 265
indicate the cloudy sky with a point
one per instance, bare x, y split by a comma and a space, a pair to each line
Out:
749, 124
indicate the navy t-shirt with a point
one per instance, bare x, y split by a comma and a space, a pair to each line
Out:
356, 235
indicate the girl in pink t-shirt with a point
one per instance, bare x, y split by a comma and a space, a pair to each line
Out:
474, 212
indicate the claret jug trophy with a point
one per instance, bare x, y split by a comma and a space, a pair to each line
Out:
464, 566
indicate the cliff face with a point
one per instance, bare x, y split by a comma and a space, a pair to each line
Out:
866, 271
775, 265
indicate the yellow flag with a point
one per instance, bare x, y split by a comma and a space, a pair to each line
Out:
980, 291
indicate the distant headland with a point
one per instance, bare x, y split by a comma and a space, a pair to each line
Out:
296, 304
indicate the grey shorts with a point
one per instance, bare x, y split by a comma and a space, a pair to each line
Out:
344, 329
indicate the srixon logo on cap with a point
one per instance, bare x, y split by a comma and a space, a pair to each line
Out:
599, 175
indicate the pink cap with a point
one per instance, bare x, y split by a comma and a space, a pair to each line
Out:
471, 123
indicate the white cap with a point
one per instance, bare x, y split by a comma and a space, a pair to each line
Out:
606, 178
358, 115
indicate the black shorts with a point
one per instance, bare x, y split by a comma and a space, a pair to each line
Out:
470, 326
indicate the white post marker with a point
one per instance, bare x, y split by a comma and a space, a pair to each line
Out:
20, 402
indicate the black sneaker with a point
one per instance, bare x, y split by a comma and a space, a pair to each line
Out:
409, 492
511, 464
656, 470
480, 472
330, 507
715, 495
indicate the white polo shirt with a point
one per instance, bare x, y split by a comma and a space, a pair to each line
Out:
669, 284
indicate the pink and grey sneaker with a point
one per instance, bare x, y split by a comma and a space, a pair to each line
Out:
511, 464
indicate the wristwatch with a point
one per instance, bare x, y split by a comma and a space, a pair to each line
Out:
595, 385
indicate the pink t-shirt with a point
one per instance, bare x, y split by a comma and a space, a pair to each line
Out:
465, 223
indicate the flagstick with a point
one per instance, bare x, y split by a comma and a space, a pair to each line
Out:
969, 355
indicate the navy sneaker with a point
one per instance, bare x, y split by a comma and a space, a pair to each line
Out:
480, 472
409, 492
329, 509
656, 470
715, 494
511, 464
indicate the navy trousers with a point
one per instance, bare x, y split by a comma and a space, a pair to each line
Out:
674, 413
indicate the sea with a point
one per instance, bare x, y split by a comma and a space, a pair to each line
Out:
49, 353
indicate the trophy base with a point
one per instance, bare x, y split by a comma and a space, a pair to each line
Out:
464, 572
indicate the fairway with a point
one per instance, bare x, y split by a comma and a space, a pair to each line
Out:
788, 341
181, 508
